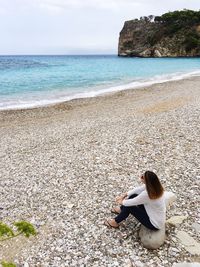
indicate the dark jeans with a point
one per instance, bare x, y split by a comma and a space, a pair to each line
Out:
138, 212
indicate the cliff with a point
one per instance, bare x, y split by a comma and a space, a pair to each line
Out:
174, 34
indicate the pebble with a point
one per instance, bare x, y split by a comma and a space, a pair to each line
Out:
196, 226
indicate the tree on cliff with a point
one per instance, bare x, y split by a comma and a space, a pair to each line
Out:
185, 20
176, 20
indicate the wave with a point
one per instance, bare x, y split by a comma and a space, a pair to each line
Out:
60, 97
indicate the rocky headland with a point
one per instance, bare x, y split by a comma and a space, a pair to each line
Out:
174, 34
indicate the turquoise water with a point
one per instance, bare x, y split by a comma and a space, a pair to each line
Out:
28, 81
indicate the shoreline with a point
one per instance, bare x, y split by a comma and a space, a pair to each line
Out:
62, 167
73, 104
135, 85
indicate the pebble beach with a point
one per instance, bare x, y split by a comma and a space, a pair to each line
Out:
62, 166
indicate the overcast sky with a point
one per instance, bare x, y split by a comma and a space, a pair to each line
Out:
73, 26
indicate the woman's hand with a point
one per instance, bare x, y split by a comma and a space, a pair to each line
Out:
120, 199
125, 195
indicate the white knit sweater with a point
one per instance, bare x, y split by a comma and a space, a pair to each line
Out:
155, 208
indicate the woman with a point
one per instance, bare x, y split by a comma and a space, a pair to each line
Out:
146, 203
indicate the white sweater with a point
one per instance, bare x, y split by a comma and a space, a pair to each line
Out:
155, 208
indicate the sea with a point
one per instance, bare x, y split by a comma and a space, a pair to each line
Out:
33, 81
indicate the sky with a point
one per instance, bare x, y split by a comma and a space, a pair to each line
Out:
73, 26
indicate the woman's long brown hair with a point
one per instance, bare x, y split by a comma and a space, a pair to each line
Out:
153, 185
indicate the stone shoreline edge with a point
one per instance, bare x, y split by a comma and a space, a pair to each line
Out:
7, 116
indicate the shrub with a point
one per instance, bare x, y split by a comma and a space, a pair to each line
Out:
6, 232
7, 264
192, 40
177, 20
23, 227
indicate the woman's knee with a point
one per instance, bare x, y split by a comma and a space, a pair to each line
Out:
134, 210
123, 208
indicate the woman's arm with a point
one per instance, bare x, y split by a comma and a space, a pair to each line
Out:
136, 190
121, 198
140, 199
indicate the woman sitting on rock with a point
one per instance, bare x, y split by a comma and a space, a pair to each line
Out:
146, 203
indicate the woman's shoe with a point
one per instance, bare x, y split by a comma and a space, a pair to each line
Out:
111, 223
116, 210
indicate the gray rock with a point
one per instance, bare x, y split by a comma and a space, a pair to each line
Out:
157, 53
190, 244
152, 239
196, 226
176, 220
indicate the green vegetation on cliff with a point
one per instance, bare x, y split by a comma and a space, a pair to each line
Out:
177, 20
173, 22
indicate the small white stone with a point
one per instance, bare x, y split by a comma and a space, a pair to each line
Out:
176, 220
70, 205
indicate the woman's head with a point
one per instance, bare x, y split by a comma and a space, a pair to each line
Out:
153, 185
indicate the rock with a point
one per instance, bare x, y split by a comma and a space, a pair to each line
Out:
152, 239
176, 220
157, 53
170, 197
196, 226
129, 263
146, 53
68, 205
138, 264
186, 264
190, 244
